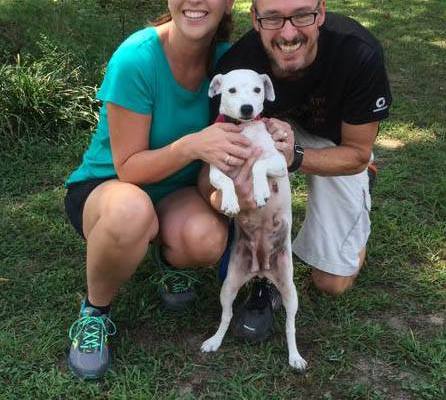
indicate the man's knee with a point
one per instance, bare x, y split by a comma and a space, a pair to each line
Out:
333, 285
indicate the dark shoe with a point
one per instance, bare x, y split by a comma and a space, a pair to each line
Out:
175, 286
254, 319
90, 355
372, 172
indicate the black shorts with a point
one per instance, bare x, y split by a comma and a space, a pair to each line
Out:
75, 198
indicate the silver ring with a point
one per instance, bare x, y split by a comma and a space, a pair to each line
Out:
285, 134
228, 157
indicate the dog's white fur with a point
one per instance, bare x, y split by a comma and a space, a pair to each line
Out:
262, 245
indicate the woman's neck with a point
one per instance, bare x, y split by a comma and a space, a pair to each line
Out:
181, 50
188, 59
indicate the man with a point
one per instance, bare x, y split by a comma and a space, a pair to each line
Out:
332, 88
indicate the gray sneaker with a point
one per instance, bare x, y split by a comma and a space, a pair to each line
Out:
90, 354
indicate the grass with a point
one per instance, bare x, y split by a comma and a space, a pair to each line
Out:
385, 339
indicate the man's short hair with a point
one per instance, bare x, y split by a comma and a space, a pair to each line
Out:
255, 1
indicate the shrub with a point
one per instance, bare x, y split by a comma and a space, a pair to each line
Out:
44, 98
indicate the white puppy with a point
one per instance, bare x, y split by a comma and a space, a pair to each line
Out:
262, 243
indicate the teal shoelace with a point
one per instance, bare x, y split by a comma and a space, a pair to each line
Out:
172, 279
178, 281
92, 331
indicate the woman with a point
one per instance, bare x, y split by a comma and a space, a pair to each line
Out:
137, 181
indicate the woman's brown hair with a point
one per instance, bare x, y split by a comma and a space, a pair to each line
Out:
223, 34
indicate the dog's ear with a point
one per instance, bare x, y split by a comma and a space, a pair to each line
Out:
269, 89
215, 85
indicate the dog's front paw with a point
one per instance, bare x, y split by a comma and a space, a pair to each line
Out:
230, 206
296, 361
261, 195
212, 344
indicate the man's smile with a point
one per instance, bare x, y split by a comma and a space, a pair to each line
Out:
289, 48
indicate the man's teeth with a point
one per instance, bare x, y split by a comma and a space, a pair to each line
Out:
290, 48
194, 14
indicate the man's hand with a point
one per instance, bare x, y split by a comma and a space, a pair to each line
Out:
243, 182
283, 136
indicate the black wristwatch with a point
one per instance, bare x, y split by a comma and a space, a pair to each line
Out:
298, 157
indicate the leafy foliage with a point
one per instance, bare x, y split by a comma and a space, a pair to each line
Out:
44, 98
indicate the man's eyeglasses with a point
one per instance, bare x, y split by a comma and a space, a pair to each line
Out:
277, 22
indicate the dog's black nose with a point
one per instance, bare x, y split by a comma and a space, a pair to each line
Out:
246, 110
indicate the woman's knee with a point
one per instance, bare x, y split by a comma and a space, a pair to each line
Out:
205, 239
130, 218
330, 284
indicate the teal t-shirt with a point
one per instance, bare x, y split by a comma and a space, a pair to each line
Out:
139, 78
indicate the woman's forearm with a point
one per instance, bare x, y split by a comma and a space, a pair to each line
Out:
150, 166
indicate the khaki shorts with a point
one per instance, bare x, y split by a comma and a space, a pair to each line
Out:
337, 223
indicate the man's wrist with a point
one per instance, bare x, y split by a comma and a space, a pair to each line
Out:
298, 158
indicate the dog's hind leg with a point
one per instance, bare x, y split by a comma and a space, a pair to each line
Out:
282, 277
290, 302
232, 284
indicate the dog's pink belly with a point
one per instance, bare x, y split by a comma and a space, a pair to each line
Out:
262, 238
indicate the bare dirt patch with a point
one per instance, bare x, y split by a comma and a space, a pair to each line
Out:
145, 336
430, 321
390, 144
397, 323
196, 384
426, 325
382, 377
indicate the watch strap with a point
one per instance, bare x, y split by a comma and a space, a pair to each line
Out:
298, 158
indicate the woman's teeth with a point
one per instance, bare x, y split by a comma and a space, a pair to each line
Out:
290, 48
194, 14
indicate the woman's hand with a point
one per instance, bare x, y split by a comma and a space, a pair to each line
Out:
283, 136
221, 145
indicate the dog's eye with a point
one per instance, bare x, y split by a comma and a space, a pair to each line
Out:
232, 90
257, 90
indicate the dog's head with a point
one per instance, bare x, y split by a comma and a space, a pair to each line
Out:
243, 92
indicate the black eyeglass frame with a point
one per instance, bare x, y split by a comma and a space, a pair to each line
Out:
284, 19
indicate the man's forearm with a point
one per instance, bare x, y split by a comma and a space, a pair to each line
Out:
350, 157
334, 161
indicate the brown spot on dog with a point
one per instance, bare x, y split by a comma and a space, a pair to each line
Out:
261, 243
277, 239
244, 250
275, 187
276, 220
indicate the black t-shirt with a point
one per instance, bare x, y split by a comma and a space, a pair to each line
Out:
346, 82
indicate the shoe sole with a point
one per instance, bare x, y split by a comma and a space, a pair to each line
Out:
88, 377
